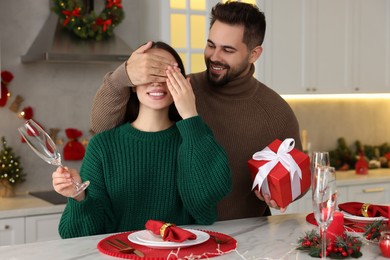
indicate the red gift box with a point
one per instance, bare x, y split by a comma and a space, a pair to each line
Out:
281, 171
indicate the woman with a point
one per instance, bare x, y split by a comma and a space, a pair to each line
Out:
156, 166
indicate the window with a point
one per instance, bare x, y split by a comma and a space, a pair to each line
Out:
185, 27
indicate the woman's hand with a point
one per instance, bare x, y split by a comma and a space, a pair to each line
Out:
181, 91
63, 183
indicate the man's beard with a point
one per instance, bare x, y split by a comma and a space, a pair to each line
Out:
219, 80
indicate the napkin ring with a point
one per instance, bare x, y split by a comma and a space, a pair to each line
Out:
365, 209
163, 227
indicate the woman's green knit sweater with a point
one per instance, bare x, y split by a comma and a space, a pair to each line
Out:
177, 175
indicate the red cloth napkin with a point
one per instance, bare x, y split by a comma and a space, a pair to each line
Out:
355, 208
170, 232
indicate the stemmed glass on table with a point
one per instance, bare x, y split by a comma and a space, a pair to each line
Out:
324, 198
41, 143
319, 158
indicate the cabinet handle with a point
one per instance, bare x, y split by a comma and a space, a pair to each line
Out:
6, 227
373, 190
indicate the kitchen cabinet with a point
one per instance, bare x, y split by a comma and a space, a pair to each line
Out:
42, 228
11, 231
378, 193
29, 229
332, 46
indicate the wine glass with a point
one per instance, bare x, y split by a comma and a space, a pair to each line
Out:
318, 158
324, 198
41, 143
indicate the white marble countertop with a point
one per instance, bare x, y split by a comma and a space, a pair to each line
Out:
257, 238
26, 205
23, 205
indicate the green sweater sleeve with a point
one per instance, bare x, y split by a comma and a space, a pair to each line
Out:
204, 176
94, 214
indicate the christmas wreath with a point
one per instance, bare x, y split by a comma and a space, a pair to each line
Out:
86, 24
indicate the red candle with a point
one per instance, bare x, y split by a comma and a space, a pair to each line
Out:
384, 243
336, 227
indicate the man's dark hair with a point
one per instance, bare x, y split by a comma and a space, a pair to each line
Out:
240, 13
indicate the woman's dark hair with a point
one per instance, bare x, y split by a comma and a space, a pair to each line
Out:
133, 104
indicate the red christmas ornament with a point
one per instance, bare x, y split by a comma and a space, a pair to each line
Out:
73, 150
4, 94
27, 113
104, 23
361, 166
6, 77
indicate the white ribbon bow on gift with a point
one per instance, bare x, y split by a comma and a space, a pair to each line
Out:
285, 159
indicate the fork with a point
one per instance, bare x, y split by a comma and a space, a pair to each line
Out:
218, 240
124, 248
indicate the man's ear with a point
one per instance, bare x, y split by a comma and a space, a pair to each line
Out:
255, 54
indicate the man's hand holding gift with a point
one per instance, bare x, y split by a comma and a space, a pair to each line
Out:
270, 202
280, 173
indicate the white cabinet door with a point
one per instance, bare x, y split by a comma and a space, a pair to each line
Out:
330, 46
42, 228
372, 193
371, 42
282, 63
11, 231
326, 46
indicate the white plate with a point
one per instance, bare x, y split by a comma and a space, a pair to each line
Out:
362, 219
146, 238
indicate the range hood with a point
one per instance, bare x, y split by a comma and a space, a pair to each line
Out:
53, 44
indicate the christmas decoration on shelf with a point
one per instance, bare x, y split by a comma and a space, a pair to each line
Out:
344, 246
6, 78
10, 171
345, 157
15, 106
73, 149
76, 17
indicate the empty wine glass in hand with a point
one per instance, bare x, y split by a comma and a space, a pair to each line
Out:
324, 198
41, 143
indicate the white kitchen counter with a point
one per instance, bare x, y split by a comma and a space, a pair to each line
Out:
26, 205
23, 205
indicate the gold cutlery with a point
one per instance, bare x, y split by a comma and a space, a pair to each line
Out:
125, 248
218, 240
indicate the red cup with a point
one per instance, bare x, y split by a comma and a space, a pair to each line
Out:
384, 243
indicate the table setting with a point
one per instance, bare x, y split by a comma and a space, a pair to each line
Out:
162, 240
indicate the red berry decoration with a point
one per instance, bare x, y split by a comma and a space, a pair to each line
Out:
344, 246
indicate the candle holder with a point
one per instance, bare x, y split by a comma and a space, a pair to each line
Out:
384, 243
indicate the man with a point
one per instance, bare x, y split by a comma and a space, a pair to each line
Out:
244, 114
